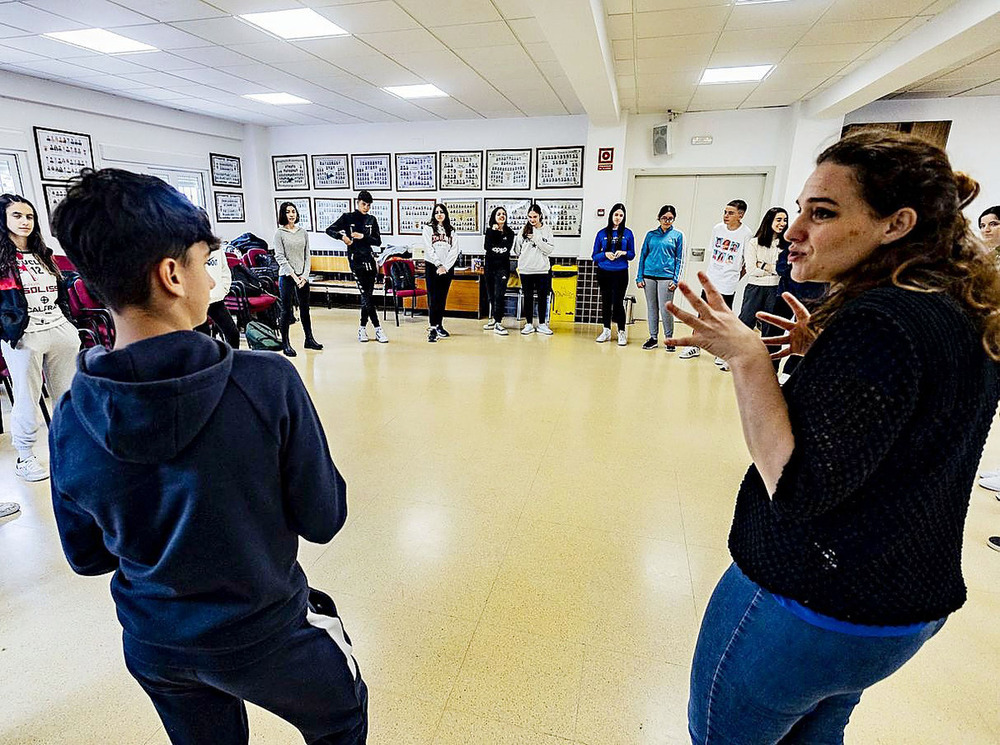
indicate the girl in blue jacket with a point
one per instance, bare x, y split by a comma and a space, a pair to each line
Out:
660, 263
614, 248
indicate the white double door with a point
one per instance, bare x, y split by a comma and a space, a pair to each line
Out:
699, 201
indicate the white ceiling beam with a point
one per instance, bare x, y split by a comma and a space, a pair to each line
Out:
968, 28
576, 31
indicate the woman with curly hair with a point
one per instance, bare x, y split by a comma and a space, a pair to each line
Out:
847, 536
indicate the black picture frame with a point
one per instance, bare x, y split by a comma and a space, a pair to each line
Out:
358, 186
382, 229
218, 159
478, 186
53, 197
428, 155
346, 184
506, 187
311, 228
218, 204
55, 164
577, 184
300, 184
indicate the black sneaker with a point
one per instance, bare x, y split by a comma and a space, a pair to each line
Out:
650, 343
289, 352
670, 348
442, 333
432, 335
993, 542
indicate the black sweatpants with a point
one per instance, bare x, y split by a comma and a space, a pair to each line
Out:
289, 292
496, 278
538, 286
223, 319
365, 271
310, 680
613, 285
437, 292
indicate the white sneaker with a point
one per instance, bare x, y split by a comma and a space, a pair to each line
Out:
992, 484
380, 336
543, 328
719, 362
362, 335
724, 366
995, 474
622, 339
605, 335
783, 378
31, 469
689, 352
499, 330
528, 329
491, 324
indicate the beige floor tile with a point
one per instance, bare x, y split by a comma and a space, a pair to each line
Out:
400, 720
460, 728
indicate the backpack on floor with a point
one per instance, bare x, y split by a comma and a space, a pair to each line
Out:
262, 337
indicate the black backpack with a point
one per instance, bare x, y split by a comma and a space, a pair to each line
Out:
401, 276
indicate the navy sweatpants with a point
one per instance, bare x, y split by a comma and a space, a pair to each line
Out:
311, 681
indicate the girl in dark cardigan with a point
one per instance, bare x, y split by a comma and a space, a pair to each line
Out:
847, 536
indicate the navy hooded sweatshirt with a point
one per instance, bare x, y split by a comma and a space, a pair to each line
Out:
190, 470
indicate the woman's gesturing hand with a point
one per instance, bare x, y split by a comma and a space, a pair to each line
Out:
715, 327
799, 337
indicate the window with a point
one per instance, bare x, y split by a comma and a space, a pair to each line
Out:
189, 183
10, 175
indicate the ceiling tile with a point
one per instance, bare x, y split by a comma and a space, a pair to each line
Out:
337, 48
541, 52
620, 26
494, 34
239, 7
218, 79
159, 61
107, 63
34, 20
511, 9
264, 75
642, 6
528, 30
271, 52
827, 53
713, 97
681, 22
213, 56
851, 31
370, 17
771, 38
787, 76
450, 12
111, 83
751, 56
674, 45
92, 13
47, 48
763, 99
58, 68
154, 94
865, 10
380, 71
157, 79
990, 89
777, 15
172, 10
908, 28
9, 54
403, 42
162, 36
226, 31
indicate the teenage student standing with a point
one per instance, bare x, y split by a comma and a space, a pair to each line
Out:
614, 248
222, 275
440, 255
214, 606
533, 246
35, 332
989, 229
847, 536
660, 262
291, 249
498, 244
725, 262
360, 232
761, 259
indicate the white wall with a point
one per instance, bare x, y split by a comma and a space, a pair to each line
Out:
972, 144
126, 129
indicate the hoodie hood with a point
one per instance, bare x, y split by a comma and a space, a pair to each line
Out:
146, 402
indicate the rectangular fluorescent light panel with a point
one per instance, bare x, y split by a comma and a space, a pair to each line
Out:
278, 99
100, 40
752, 74
415, 91
295, 24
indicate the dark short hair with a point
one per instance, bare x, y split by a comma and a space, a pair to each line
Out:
117, 226
738, 204
365, 196
995, 211
283, 212
665, 209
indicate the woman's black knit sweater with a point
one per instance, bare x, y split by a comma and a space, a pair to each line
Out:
890, 410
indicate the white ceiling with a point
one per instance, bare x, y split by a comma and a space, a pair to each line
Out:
491, 56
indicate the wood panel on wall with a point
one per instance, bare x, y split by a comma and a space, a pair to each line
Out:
934, 132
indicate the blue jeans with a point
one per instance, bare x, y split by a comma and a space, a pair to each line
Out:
762, 675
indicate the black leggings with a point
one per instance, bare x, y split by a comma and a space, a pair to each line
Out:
539, 285
365, 272
223, 320
496, 289
613, 285
289, 292
437, 292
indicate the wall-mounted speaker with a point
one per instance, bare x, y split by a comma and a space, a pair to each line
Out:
663, 139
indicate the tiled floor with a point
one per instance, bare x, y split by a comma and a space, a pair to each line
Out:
536, 525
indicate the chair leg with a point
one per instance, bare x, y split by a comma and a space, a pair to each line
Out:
45, 411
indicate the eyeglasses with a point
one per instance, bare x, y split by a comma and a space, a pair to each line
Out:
666, 219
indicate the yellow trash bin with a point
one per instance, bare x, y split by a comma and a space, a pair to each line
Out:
564, 294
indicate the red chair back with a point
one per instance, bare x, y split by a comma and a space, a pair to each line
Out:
250, 257
64, 264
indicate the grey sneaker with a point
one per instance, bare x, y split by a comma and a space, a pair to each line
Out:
499, 330
31, 469
689, 353
9, 508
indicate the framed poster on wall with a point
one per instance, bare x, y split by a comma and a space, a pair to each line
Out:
565, 216
462, 170
517, 210
464, 214
382, 210
508, 170
226, 170
330, 172
291, 173
371, 171
328, 211
304, 207
412, 215
559, 168
62, 155
229, 207
416, 171
54, 194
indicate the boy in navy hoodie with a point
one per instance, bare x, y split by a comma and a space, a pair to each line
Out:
190, 470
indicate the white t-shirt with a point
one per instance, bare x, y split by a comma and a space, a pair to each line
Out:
726, 259
41, 291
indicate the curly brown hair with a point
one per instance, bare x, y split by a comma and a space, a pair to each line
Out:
940, 254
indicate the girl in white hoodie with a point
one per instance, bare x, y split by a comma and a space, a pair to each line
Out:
440, 255
532, 246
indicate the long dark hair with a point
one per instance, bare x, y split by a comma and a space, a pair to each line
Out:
940, 254
611, 221
8, 251
283, 213
765, 233
507, 229
537, 209
447, 220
